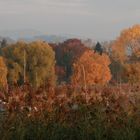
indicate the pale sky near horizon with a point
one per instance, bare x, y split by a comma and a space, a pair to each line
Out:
96, 19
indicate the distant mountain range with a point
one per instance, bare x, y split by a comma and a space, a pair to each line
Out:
47, 38
32, 35
17, 34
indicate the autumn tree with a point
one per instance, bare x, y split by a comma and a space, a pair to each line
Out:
132, 73
66, 53
117, 71
127, 44
90, 69
3, 74
125, 50
30, 62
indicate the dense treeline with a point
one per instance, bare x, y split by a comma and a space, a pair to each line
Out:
70, 90
39, 63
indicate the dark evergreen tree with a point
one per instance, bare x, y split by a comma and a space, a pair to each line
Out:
98, 48
3, 43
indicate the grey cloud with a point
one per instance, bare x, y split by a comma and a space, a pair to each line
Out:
91, 18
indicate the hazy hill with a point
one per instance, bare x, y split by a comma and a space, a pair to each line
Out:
19, 34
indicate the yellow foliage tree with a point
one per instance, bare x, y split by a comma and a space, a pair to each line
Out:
30, 62
90, 69
3, 74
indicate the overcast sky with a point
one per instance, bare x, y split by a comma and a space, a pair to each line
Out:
97, 19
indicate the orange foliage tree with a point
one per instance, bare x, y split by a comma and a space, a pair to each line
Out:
132, 72
3, 73
127, 44
90, 69
125, 52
